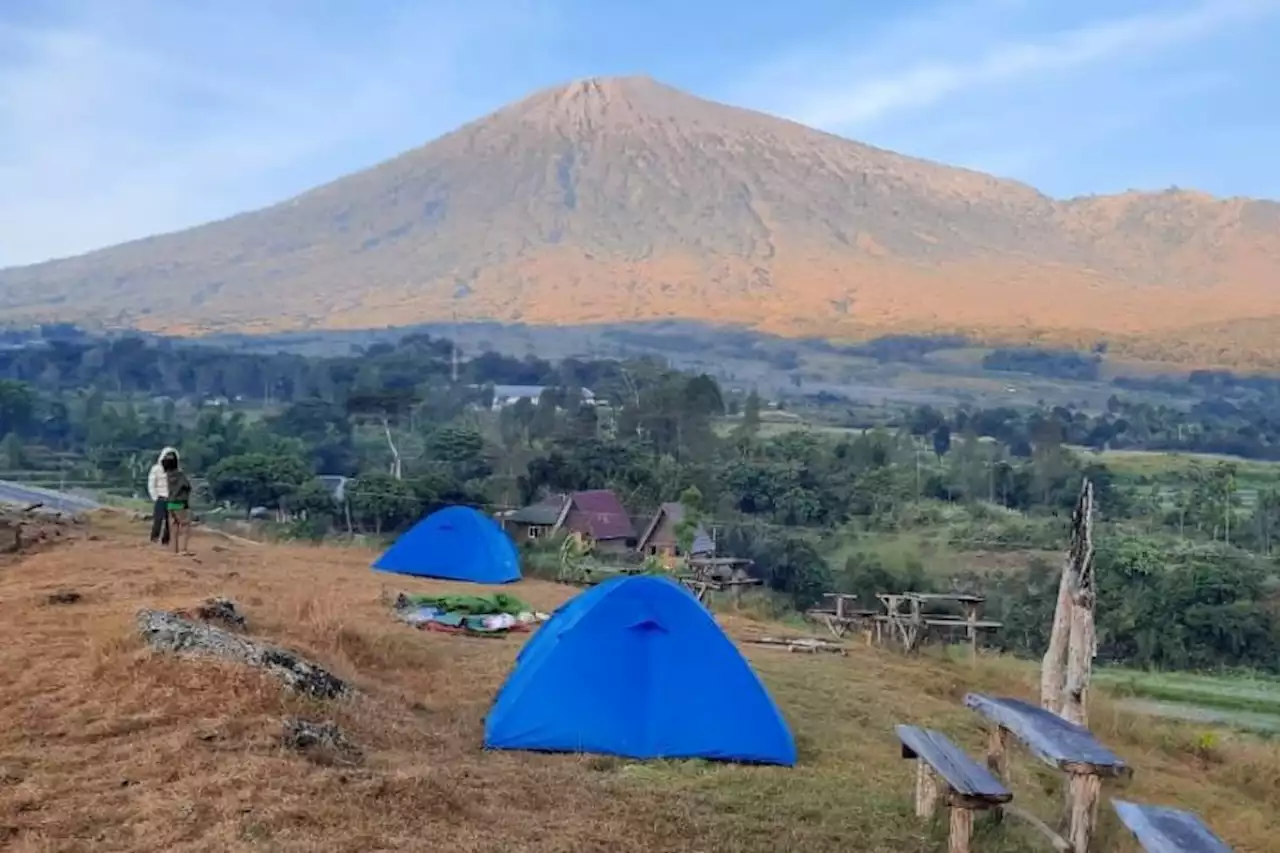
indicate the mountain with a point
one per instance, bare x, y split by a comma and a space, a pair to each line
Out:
623, 199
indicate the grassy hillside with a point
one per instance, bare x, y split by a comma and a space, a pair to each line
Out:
104, 746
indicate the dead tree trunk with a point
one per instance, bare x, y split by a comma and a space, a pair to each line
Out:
1071, 643
1083, 646
396, 470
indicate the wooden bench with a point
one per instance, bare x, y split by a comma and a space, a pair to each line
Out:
1164, 830
966, 786
1062, 745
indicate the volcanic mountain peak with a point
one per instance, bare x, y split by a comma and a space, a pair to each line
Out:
615, 199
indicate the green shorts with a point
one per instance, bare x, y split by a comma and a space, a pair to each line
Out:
175, 506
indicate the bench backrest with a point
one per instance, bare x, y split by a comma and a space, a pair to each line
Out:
964, 775
1164, 830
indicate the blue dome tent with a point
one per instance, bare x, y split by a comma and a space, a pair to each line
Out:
637, 667
455, 543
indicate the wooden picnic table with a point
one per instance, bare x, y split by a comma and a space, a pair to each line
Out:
841, 616
912, 624
1165, 830
702, 586
1060, 744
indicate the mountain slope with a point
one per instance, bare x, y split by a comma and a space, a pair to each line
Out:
619, 199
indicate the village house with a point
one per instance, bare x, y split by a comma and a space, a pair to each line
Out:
533, 522
661, 538
596, 517
509, 395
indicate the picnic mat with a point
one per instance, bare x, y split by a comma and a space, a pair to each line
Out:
489, 615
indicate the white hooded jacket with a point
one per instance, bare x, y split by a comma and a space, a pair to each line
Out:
157, 481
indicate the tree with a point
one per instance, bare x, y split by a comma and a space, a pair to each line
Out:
385, 406
750, 426
13, 453
17, 407
251, 480
462, 449
687, 530
942, 439
793, 566
314, 508
382, 502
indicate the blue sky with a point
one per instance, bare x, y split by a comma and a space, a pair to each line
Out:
123, 118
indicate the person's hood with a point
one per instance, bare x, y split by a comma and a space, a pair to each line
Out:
167, 451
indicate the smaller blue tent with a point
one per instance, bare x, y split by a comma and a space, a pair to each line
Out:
455, 543
637, 667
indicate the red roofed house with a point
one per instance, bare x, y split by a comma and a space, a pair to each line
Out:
597, 517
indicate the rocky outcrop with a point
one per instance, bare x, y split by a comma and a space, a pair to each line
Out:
178, 634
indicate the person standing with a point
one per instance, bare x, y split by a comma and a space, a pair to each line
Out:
178, 503
158, 489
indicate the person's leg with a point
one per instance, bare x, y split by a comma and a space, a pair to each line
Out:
175, 529
186, 530
159, 519
164, 536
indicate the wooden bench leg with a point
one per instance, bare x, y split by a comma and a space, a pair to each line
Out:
1083, 793
926, 790
997, 762
997, 752
961, 830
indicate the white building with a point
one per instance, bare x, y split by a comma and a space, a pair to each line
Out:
509, 395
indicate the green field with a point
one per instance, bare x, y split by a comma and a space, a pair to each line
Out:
1242, 701
1160, 464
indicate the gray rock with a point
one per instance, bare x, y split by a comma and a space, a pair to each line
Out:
221, 610
176, 634
326, 737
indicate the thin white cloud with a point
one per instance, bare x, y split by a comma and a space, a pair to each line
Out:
120, 122
893, 80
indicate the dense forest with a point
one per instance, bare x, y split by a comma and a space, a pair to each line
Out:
1188, 578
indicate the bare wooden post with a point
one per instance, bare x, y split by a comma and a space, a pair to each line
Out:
917, 625
1084, 790
1053, 670
971, 616
926, 790
1083, 645
997, 752
961, 830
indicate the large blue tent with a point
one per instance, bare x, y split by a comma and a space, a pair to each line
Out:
637, 667
455, 543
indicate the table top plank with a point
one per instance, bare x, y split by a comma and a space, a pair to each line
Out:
1052, 739
1165, 830
964, 775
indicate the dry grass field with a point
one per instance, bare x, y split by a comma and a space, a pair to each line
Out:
106, 746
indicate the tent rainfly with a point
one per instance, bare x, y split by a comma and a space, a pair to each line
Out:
636, 667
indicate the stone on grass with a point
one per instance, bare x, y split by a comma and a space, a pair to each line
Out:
319, 740
177, 634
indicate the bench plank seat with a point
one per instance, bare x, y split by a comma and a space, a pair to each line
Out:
1053, 740
1165, 830
963, 775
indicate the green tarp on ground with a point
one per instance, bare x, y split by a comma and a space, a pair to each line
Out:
472, 605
